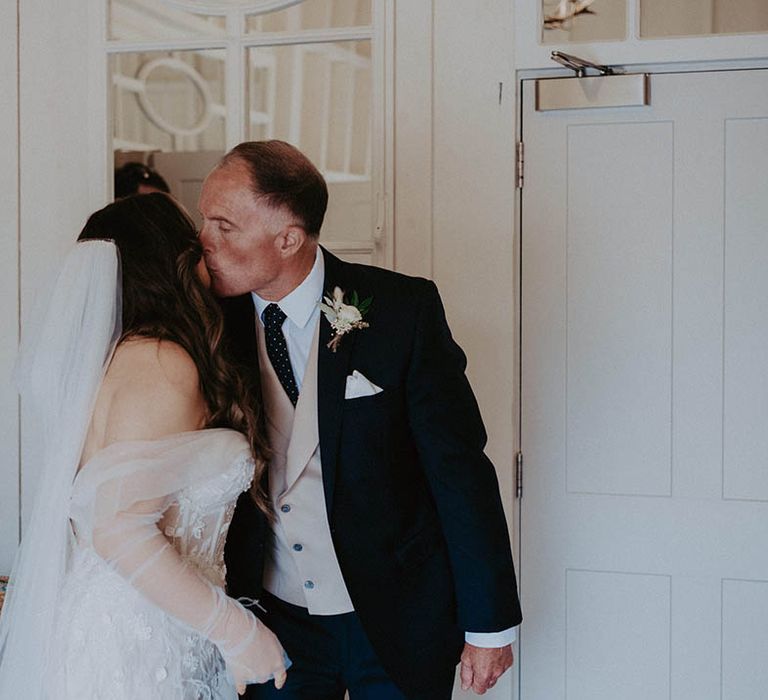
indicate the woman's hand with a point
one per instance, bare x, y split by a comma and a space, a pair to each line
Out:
256, 659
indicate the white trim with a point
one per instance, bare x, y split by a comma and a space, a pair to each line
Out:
308, 36
252, 7
235, 84
383, 130
325, 112
297, 87
683, 67
350, 246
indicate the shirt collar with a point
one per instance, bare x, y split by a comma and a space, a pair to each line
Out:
302, 302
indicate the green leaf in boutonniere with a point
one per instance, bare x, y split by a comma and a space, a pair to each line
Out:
344, 317
365, 304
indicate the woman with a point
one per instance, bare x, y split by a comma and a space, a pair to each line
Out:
149, 438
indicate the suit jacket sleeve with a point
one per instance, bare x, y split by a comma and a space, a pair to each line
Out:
450, 437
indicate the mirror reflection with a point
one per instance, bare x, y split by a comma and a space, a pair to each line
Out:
571, 21
171, 114
148, 20
313, 14
169, 100
660, 18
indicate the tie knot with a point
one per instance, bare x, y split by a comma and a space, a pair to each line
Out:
273, 316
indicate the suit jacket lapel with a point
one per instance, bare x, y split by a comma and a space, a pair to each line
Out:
332, 370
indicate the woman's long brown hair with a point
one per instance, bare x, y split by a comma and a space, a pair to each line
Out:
164, 297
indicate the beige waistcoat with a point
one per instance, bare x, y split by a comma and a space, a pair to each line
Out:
303, 568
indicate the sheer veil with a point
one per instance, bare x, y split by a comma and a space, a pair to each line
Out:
61, 366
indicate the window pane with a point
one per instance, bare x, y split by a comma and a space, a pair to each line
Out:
702, 17
571, 21
169, 101
313, 14
322, 106
147, 20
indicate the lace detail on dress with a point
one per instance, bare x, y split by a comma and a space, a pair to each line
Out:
197, 523
111, 642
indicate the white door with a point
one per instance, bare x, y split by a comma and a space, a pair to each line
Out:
644, 535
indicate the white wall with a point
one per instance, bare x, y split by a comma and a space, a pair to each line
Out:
455, 194
9, 213
454, 178
455, 188
54, 160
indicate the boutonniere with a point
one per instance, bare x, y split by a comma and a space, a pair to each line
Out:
344, 317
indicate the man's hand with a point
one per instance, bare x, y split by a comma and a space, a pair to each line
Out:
481, 668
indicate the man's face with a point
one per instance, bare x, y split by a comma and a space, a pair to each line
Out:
239, 233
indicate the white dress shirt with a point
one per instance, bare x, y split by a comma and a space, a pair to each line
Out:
303, 313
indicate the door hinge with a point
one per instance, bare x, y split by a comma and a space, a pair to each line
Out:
520, 164
519, 475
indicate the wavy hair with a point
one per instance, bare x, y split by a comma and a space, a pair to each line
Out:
163, 297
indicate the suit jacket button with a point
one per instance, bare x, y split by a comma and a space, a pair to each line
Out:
285, 508
298, 547
309, 584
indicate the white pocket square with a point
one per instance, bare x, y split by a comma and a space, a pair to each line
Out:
358, 386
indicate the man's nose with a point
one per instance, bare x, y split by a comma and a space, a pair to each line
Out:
203, 235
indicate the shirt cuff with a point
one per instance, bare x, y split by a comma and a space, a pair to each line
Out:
491, 640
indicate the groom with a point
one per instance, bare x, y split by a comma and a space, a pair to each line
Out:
388, 558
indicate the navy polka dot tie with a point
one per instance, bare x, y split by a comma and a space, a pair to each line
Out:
277, 350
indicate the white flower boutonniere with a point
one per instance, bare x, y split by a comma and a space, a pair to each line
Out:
344, 317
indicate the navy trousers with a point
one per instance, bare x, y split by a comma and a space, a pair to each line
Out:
330, 655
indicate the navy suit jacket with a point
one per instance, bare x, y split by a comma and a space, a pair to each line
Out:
412, 500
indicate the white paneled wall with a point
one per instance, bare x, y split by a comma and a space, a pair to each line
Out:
9, 215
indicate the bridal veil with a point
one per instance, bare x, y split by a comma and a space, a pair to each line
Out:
61, 366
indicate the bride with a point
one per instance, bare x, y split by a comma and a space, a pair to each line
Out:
148, 438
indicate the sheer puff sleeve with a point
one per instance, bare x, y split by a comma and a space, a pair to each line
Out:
119, 498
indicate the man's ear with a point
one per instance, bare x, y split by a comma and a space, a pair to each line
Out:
291, 240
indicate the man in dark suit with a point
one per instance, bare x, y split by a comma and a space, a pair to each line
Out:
388, 560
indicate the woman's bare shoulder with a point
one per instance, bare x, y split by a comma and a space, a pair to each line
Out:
151, 360
153, 389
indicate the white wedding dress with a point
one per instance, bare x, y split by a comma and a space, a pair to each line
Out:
117, 589
109, 640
